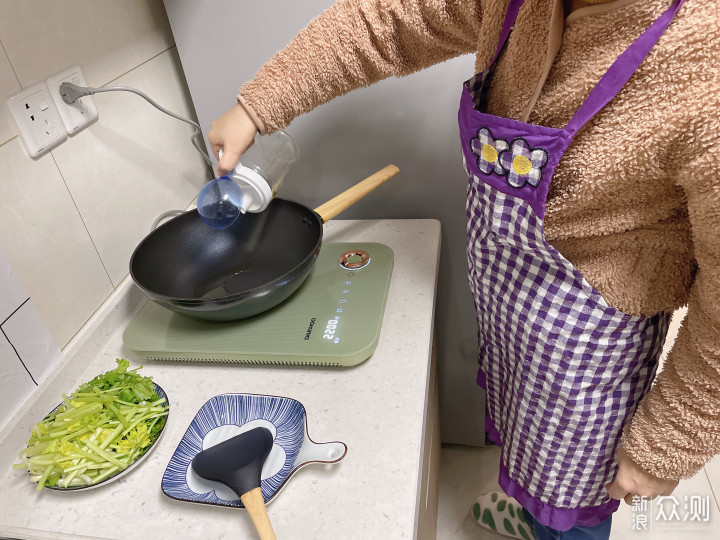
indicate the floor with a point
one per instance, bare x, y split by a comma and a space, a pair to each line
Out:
466, 472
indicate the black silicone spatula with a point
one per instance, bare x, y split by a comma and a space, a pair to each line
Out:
237, 463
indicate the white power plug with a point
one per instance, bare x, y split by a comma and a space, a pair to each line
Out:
78, 115
37, 119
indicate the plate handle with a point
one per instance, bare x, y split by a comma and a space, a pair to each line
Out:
330, 452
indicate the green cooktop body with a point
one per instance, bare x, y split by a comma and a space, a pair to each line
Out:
333, 319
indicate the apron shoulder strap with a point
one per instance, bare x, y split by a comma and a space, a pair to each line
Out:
622, 69
508, 23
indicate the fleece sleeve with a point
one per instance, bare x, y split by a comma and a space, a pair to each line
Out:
676, 428
355, 43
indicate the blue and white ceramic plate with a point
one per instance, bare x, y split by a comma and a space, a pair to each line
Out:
161, 394
228, 415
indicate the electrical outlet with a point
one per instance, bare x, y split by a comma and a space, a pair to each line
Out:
37, 119
80, 114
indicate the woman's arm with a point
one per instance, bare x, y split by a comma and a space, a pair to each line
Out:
676, 428
352, 44
355, 43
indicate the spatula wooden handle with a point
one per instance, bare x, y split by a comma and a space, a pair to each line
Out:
255, 505
349, 197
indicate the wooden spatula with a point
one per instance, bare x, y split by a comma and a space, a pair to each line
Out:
238, 463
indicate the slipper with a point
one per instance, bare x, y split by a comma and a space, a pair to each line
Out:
501, 514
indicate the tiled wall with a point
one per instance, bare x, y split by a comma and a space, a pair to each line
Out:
27, 350
70, 219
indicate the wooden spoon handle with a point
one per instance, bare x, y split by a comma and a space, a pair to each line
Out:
255, 505
349, 197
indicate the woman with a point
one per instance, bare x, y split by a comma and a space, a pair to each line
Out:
589, 139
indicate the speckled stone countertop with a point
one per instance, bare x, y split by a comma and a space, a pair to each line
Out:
377, 408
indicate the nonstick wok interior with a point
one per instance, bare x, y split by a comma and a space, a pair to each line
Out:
185, 259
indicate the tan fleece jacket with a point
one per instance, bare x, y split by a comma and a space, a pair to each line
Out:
635, 201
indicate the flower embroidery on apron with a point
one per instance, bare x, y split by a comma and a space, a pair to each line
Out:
517, 161
563, 370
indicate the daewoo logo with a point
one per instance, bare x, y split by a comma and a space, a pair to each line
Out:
309, 330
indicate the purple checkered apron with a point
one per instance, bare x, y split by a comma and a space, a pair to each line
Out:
563, 370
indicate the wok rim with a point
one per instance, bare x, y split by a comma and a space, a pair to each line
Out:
224, 301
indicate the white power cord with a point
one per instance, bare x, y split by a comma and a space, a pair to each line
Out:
72, 92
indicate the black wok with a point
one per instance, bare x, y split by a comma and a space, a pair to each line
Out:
250, 267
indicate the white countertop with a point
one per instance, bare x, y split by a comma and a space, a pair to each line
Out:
377, 408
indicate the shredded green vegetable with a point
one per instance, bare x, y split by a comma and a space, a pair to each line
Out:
97, 432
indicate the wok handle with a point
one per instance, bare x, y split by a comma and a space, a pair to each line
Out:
349, 197
255, 505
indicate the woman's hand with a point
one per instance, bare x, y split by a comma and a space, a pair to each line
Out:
233, 132
631, 480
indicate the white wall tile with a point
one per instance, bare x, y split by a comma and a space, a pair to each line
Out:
27, 350
9, 86
135, 162
15, 382
106, 38
46, 242
12, 291
32, 341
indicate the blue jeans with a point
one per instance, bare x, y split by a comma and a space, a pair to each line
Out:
600, 531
